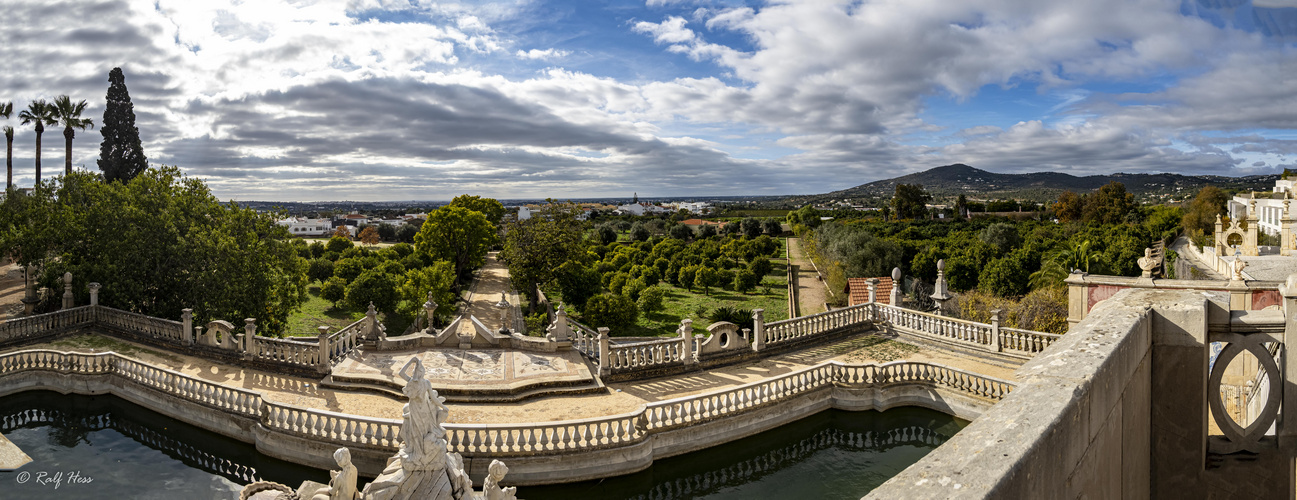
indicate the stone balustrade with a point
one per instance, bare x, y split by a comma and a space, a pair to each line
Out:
289, 352
797, 328
1013, 343
546, 437
140, 324
342, 342
333, 427
26, 328
627, 357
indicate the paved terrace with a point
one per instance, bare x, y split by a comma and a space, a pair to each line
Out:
618, 398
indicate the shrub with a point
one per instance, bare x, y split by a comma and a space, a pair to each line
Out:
1042, 310
610, 310
650, 300
319, 270
334, 290
741, 317
376, 287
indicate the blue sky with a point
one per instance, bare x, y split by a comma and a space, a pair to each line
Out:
414, 99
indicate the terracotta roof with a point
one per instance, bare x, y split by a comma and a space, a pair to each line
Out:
858, 290
699, 222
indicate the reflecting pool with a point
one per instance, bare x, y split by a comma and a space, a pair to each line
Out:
103, 447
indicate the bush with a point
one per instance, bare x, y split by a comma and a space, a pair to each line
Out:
976, 306
745, 281
1042, 310
348, 269
319, 270
338, 244
536, 324
761, 267
741, 317
334, 290
610, 310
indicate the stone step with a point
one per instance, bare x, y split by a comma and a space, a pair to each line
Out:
470, 394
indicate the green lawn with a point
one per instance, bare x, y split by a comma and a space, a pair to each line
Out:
316, 311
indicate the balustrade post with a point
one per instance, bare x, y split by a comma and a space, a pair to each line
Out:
896, 287
758, 329
68, 300
1286, 428
995, 330
604, 363
872, 285
94, 293
429, 308
250, 336
186, 331
374, 331
686, 332
324, 361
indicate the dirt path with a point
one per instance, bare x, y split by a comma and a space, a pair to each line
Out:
492, 280
11, 290
811, 289
620, 397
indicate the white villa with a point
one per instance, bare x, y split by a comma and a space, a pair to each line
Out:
1269, 206
301, 226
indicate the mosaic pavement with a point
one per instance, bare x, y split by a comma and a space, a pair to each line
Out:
472, 368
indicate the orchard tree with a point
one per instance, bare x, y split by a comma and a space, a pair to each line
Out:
535, 247
745, 280
772, 227
369, 236
751, 227
489, 207
610, 310
320, 270
374, 287
650, 300
576, 283
638, 232
706, 231
910, 201
439, 279
681, 232
334, 290
459, 235
606, 234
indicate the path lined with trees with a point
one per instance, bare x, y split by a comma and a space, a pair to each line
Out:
812, 292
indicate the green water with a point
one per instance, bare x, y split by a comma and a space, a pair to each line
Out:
126, 452
129, 452
829, 455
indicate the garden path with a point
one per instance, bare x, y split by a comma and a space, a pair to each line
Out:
811, 288
490, 283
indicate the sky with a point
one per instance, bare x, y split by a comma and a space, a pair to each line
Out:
370, 100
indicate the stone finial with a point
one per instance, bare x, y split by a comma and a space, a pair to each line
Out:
250, 326
1147, 264
941, 290
68, 300
941, 267
372, 310
94, 293
686, 328
559, 330
896, 275
1236, 268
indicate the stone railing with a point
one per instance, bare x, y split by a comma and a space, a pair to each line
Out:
318, 432
33, 327
626, 357
1016, 343
1026, 341
140, 324
342, 342
797, 328
288, 352
585, 340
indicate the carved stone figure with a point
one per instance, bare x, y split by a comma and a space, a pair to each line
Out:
491, 489
423, 441
1147, 263
1237, 268
343, 484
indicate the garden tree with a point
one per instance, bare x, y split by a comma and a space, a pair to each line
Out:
40, 113
402, 250
342, 233
772, 227
459, 235
617, 282
623, 225
805, 217
650, 300
439, 278
859, 253
334, 290
158, 244
68, 114
634, 287
1069, 207
706, 230
610, 310
1001, 235
751, 227
6, 110
745, 280
681, 232
406, 233
535, 247
320, 270
731, 228
910, 201
369, 236
348, 269
489, 207
1056, 268
706, 277
317, 249
605, 234
761, 267
374, 287
1108, 205
686, 277
576, 283
961, 205
121, 157
1200, 219
638, 232
387, 232
1007, 276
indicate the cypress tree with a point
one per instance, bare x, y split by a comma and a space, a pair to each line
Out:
121, 157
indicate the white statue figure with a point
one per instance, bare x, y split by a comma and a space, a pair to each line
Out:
1147, 263
423, 440
491, 489
461, 486
343, 484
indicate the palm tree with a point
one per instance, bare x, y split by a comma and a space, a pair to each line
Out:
40, 113
69, 114
7, 109
1077, 258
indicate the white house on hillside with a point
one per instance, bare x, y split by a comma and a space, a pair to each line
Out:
301, 226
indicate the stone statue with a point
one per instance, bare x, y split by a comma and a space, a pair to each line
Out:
423, 441
343, 484
491, 489
1237, 268
1147, 263
461, 486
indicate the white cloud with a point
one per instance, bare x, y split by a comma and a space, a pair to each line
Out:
545, 55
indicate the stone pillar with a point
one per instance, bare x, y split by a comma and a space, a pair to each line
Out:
374, 331
68, 300
429, 308
758, 329
1216, 241
1249, 242
324, 363
686, 332
94, 293
941, 291
559, 331
186, 331
604, 363
1285, 228
249, 336
995, 330
1078, 297
1286, 428
896, 287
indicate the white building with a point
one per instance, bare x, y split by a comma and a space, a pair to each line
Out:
642, 208
693, 207
1269, 206
301, 226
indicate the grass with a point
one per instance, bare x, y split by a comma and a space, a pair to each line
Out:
316, 311
679, 304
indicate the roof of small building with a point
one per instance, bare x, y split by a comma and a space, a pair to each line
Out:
700, 222
858, 290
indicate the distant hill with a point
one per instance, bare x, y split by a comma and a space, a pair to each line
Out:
953, 180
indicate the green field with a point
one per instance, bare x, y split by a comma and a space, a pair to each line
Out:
680, 304
754, 213
316, 311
